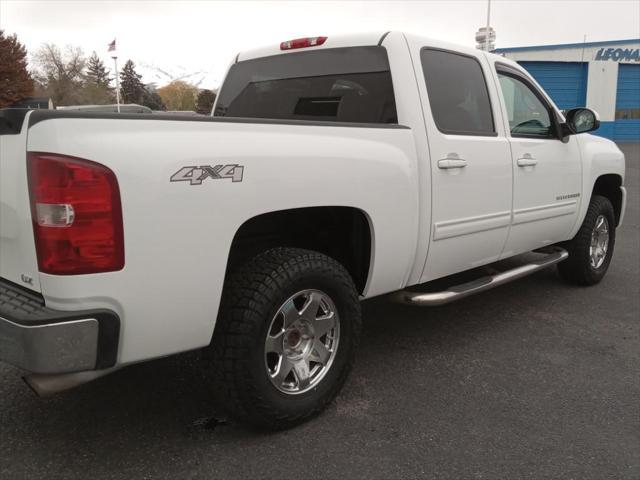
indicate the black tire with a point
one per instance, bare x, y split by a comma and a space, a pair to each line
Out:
251, 298
577, 269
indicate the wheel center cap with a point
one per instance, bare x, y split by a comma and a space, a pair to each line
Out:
294, 337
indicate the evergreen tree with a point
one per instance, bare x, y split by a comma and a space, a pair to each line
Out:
97, 72
131, 87
97, 88
15, 81
204, 103
152, 100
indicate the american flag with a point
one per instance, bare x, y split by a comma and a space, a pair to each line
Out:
112, 46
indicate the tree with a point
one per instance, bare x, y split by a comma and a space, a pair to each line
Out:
97, 89
15, 81
60, 73
179, 95
131, 87
97, 73
152, 100
204, 103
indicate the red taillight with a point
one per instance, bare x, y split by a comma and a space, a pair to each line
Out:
302, 43
76, 213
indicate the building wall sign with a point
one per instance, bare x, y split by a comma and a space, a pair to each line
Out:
619, 54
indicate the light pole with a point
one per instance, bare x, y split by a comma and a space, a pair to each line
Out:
486, 41
486, 36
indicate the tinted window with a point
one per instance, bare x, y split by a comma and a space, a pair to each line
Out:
527, 114
457, 93
338, 84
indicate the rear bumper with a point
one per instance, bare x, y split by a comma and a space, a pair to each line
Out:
43, 340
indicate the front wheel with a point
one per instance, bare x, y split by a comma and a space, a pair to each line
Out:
590, 251
286, 337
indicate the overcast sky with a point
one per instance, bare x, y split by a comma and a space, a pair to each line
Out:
203, 36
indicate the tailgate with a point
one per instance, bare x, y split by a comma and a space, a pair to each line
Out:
18, 262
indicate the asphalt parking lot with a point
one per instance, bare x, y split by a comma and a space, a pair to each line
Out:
535, 379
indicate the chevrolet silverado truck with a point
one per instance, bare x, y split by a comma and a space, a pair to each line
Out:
331, 170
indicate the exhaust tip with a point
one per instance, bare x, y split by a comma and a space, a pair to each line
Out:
46, 385
28, 380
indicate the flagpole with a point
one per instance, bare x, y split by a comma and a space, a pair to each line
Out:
115, 62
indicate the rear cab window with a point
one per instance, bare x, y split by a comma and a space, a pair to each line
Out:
339, 84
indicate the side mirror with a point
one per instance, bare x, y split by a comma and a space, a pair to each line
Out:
581, 120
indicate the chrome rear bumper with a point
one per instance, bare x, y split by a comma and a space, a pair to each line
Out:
42, 340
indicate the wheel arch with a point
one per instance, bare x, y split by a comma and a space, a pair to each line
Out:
608, 186
343, 233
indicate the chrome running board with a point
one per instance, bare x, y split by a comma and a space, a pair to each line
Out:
488, 282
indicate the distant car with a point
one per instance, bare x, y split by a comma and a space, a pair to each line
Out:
178, 112
34, 103
127, 108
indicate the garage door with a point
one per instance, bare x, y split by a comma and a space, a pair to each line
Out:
565, 82
627, 124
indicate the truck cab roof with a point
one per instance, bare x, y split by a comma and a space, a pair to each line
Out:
332, 41
357, 40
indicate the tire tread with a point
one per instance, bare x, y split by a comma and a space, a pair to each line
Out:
247, 294
576, 269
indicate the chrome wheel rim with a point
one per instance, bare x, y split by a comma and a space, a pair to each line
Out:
599, 242
302, 341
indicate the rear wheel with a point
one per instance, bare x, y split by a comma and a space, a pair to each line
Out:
591, 249
286, 337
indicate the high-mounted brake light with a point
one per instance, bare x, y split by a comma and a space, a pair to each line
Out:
76, 213
302, 43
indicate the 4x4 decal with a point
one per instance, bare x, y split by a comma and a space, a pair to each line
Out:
195, 175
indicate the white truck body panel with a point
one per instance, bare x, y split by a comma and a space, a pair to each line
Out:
425, 222
539, 218
334, 41
179, 235
18, 260
599, 157
470, 206
407, 97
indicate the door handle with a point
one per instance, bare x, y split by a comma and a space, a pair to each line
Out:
452, 162
527, 161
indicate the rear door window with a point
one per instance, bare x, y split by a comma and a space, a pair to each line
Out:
458, 93
339, 84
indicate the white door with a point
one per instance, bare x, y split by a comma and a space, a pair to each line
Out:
471, 188
547, 172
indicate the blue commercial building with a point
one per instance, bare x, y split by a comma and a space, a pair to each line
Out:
604, 76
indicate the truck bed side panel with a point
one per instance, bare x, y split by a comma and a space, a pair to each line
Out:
178, 235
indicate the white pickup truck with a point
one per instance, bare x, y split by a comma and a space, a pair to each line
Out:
331, 170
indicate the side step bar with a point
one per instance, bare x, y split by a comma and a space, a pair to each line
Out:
479, 285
